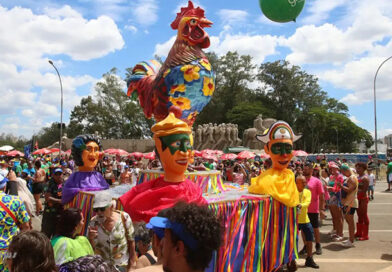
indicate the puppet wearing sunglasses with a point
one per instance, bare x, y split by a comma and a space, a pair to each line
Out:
173, 145
278, 181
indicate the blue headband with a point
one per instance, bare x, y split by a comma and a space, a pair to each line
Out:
177, 228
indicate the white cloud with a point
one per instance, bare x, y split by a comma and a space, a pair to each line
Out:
162, 49
232, 16
145, 12
330, 44
29, 86
257, 46
131, 28
354, 120
358, 76
319, 10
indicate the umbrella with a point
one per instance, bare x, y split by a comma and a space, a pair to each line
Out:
246, 155
54, 150
68, 152
300, 153
209, 156
149, 156
6, 148
114, 151
197, 153
14, 153
264, 156
42, 151
136, 154
228, 156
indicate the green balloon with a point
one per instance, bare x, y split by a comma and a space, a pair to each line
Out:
282, 11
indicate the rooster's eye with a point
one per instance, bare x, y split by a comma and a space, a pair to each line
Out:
193, 22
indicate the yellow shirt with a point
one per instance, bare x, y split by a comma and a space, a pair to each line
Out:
304, 199
280, 184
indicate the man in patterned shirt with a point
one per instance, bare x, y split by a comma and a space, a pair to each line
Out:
13, 218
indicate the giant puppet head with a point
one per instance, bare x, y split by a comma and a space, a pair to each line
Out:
86, 151
173, 144
278, 141
278, 181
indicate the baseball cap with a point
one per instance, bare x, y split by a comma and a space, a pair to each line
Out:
177, 228
333, 165
102, 199
58, 170
344, 167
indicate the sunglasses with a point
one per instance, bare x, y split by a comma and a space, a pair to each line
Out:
100, 209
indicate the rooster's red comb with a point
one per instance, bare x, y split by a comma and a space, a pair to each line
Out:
188, 11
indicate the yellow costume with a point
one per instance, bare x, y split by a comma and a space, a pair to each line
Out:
278, 182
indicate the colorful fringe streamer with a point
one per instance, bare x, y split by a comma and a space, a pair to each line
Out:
208, 181
260, 235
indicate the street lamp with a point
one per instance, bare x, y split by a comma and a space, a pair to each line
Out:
337, 140
61, 110
375, 111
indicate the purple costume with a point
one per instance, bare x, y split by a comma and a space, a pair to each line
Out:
82, 181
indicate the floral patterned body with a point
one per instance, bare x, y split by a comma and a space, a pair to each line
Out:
189, 87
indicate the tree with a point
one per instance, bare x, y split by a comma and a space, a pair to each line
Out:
49, 135
110, 113
234, 73
14, 141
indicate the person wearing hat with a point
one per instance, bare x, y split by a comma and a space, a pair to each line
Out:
349, 201
53, 206
111, 233
334, 202
278, 181
173, 146
125, 176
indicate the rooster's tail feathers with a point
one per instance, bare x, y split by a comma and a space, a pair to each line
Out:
140, 71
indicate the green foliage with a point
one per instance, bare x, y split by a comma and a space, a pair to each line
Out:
110, 113
244, 113
48, 135
17, 142
284, 92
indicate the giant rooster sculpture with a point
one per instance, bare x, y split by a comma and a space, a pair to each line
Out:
185, 82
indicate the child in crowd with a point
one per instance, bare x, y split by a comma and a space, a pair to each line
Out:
372, 183
304, 225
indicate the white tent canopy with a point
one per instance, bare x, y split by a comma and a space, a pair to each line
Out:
6, 148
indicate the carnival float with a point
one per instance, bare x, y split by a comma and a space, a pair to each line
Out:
260, 221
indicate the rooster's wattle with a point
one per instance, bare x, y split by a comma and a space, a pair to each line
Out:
185, 82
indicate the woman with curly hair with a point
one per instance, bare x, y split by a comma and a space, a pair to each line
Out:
86, 152
30, 251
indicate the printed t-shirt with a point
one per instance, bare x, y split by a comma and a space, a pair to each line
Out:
316, 188
304, 199
8, 227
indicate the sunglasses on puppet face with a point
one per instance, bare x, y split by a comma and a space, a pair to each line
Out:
281, 148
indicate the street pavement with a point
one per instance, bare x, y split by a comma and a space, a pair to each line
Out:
374, 255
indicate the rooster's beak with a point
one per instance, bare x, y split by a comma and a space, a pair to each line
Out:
205, 23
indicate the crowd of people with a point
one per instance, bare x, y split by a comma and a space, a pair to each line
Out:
114, 243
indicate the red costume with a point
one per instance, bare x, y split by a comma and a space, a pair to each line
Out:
145, 200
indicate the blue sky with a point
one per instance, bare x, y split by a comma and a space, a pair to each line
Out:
340, 41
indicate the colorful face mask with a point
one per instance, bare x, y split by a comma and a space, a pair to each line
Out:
280, 151
176, 142
90, 157
175, 152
